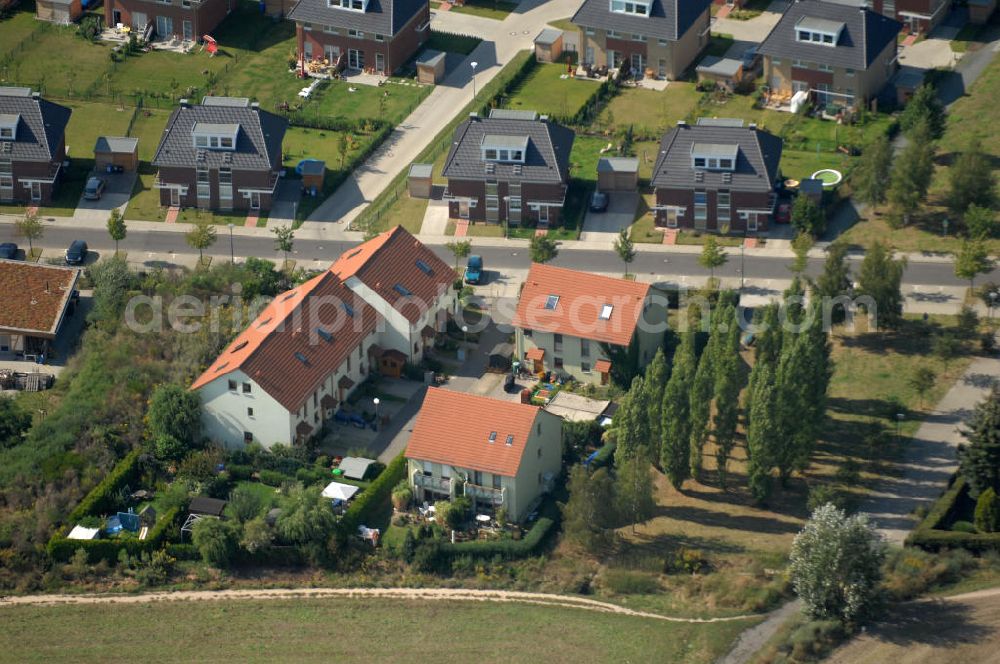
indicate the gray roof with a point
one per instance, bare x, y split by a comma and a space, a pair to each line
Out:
40, 128
757, 159
548, 36
355, 467
385, 17
618, 165
513, 114
115, 144
668, 19
430, 57
546, 160
865, 34
421, 170
258, 143
720, 66
720, 122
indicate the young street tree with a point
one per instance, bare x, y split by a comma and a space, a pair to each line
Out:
979, 460
808, 217
924, 107
712, 256
460, 249
922, 381
116, 227
675, 431
625, 248
971, 182
543, 249
801, 245
880, 280
201, 237
835, 281
284, 239
30, 228
972, 260
836, 564
871, 178
980, 222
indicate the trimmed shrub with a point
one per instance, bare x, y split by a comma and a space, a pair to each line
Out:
62, 549
310, 475
987, 512
103, 498
239, 473
505, 549
964, 527
931, 534
183, 551
273, 478
376, 496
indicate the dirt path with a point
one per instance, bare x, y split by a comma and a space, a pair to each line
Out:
449, 594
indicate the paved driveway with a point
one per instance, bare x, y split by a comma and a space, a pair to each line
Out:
620, 214
116, 195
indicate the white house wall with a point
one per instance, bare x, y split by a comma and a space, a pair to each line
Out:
224, 413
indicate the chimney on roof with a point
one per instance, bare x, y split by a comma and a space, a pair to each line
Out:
682, 123
36, 95
185, 103
255, 105
753, 125
544, 118
473, 115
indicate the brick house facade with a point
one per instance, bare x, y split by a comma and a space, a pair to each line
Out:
32, 146
185, 19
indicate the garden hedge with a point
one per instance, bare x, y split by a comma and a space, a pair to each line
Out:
506, 549
375, 497
62, 549
102, 498
930, 535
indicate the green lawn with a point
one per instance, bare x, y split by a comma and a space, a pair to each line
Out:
309, 630
148, 128
651, 112
264, 75
335, 100
406, 212
58, 62
17, 31
544, 91
173, 75
564, 24
495, 9
90, 120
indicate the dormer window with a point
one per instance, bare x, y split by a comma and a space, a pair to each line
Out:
713, 157
509, 149
211, 136
353, 5
818, 31
628, 7
8, 126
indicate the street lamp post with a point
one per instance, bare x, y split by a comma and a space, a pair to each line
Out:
899, 423
993, 302
232, 254
465, 334
474, 65
376, 402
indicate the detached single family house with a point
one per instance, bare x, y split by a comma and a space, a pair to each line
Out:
512, 168
222, 154
716, 176
369, 35
288, 372
36, 300
840, 55
662, 36
189, 20
409, 287
578, 324
500, 454
32, 146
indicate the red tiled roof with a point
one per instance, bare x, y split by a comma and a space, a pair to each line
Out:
299, 339
535, 354
454, 428
391, 259
581, 298
34, 297
602, 366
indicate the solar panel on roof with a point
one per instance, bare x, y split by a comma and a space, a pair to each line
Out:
606, 311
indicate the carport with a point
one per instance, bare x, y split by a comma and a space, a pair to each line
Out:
618, 174
113, 152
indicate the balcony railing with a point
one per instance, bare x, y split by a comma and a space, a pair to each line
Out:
495, 496
442, 484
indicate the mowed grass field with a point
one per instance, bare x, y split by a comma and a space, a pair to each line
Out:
352, 630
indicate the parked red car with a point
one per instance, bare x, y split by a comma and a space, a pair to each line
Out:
783, 215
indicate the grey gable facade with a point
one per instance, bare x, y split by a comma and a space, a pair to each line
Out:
32, 146
716, 176
661, 37
224, 154
512, 167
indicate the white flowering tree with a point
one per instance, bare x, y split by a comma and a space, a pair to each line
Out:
836, 564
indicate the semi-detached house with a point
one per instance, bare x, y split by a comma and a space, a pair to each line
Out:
189, 20
579, 324
500, 454
32, 146
664, 36
840, 55
368, 35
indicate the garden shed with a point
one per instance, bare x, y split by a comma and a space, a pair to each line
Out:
313, 172
116, 151
62, 12
430, 66
727, 73
812, 188
355, 468
420, 181
618, 174
549, 45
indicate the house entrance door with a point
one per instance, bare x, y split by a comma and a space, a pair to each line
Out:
254, 200
543, 215
116, 17
175, 197
380, 63
463, 209
36, 191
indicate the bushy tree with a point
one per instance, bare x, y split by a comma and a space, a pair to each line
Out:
836, 565
971, 181
763, 429
979, 458
881, 279
657, 374
14, 422
257, 535
911, 175
835, 281
168, 448
924, 107
634, 490
245, 503
675, 445
871, 177
712, 256
112, 281
175, 411
981, 222
808, 217
589, 513
631, 422
987, 515
922, 381
543, 249
216, 540
306, 517
460, 249
972, 260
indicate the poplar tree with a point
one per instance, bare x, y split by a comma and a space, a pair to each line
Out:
676, 427
655, 383
631, 423
762, 431
701, 401
729, 380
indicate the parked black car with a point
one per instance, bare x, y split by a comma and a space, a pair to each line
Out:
8, 250
599, 202
94, 189
77, 253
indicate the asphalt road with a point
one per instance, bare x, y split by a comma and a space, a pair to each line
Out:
672, 265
